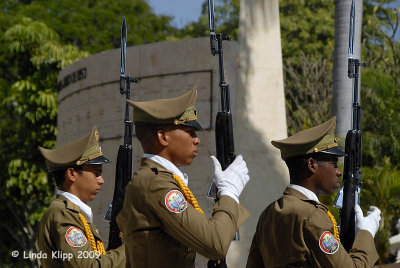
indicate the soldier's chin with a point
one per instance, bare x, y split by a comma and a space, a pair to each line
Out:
93, 196
189, 161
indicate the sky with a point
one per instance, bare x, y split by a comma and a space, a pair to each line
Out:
183, 11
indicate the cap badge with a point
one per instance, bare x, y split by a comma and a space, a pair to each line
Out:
328, 243
175, 202
75, 237
96, 134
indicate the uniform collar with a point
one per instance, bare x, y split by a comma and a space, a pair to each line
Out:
86, 210
309, 194
169, 166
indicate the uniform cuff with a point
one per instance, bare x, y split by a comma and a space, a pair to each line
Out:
230, 194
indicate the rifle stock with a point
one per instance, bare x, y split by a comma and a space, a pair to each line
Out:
122, 177
224, 139
351, 182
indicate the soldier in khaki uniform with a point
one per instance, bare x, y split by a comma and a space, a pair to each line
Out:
297, 230
67, 234
162, 222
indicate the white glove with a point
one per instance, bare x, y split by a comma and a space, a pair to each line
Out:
232, 180
370, 222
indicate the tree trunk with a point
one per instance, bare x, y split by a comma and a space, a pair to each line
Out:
342, 84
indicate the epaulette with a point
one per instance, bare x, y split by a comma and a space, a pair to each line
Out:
71, 206
159, 170
322, 206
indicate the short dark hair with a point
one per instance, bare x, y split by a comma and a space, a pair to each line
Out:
298, 168
146, 134
59, 175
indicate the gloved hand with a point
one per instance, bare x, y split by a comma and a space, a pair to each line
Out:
232, 180
370, 222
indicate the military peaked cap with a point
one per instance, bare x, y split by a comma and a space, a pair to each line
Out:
319, 139
85, 150
174, 111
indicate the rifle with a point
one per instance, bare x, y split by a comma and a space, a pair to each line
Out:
349, 195
123, 172
223, 124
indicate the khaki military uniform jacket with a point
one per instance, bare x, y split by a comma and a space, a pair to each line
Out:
62, 239
295, 231
157, 235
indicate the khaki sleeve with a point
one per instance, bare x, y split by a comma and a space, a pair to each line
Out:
74, 249
327, 252
209, 237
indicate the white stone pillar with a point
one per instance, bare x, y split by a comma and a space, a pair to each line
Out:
259, 115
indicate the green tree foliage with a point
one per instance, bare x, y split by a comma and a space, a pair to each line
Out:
381, 85
382, 186
27, 120
381, 98
307, 27
381, 117
95, 25
308, 92
307, 35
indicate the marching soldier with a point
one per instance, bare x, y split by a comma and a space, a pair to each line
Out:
162, 223
297, 230
67, 233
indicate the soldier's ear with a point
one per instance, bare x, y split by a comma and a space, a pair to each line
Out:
161, 136
312, 165
70, 175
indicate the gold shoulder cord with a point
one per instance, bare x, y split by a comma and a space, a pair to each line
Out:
97, 248
335, 229
188, 194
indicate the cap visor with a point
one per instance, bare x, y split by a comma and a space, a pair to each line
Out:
334, 151
193, 124
98, 160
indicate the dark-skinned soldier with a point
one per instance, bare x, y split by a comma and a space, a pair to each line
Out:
67, 233
297, 230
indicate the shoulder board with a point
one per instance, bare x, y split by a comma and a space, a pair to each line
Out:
322, 206
317, 204
160, 170
71, 206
